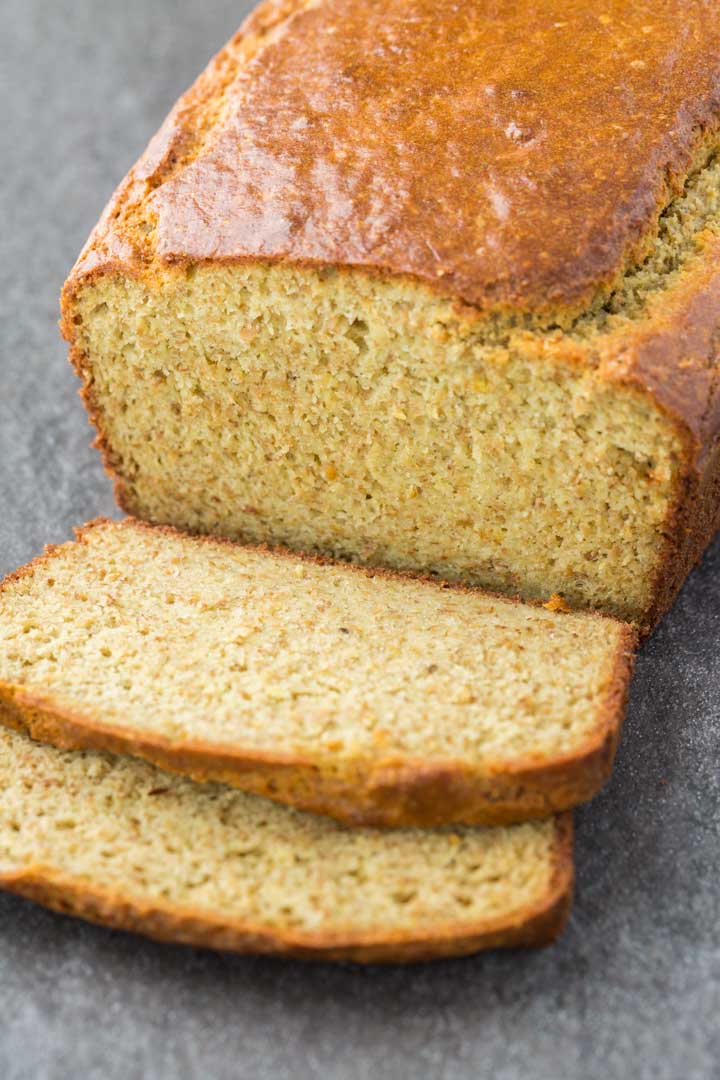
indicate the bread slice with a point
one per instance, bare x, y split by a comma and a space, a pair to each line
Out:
371, 697
118, 842
360, 299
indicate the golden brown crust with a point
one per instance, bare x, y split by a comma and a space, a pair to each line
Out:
695, 521
674, 357
163, 921
341, 134
361, 791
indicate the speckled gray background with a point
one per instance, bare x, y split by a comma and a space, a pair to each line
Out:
632, 988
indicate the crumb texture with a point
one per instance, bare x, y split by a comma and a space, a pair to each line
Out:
331, 413
99, 822
195, 640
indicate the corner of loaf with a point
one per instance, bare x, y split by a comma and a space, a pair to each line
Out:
275, 379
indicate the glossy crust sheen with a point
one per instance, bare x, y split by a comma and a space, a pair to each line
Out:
331, 132
460, 144
361, 792
163, 921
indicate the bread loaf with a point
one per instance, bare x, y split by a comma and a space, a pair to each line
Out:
427, 285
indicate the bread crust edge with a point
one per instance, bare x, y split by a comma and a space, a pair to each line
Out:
538, 925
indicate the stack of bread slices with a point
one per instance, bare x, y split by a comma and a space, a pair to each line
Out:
353, 359
427, 742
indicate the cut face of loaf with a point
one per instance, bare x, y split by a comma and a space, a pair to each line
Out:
120, 843
368, 696
470, 341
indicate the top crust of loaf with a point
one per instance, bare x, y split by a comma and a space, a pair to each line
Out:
513, 157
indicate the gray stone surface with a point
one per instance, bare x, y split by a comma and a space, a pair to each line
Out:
630, 991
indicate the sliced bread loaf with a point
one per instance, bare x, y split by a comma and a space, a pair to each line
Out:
374, 698
427, 285
118, 842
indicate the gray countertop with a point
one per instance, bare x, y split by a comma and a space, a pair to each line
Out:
631, 990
